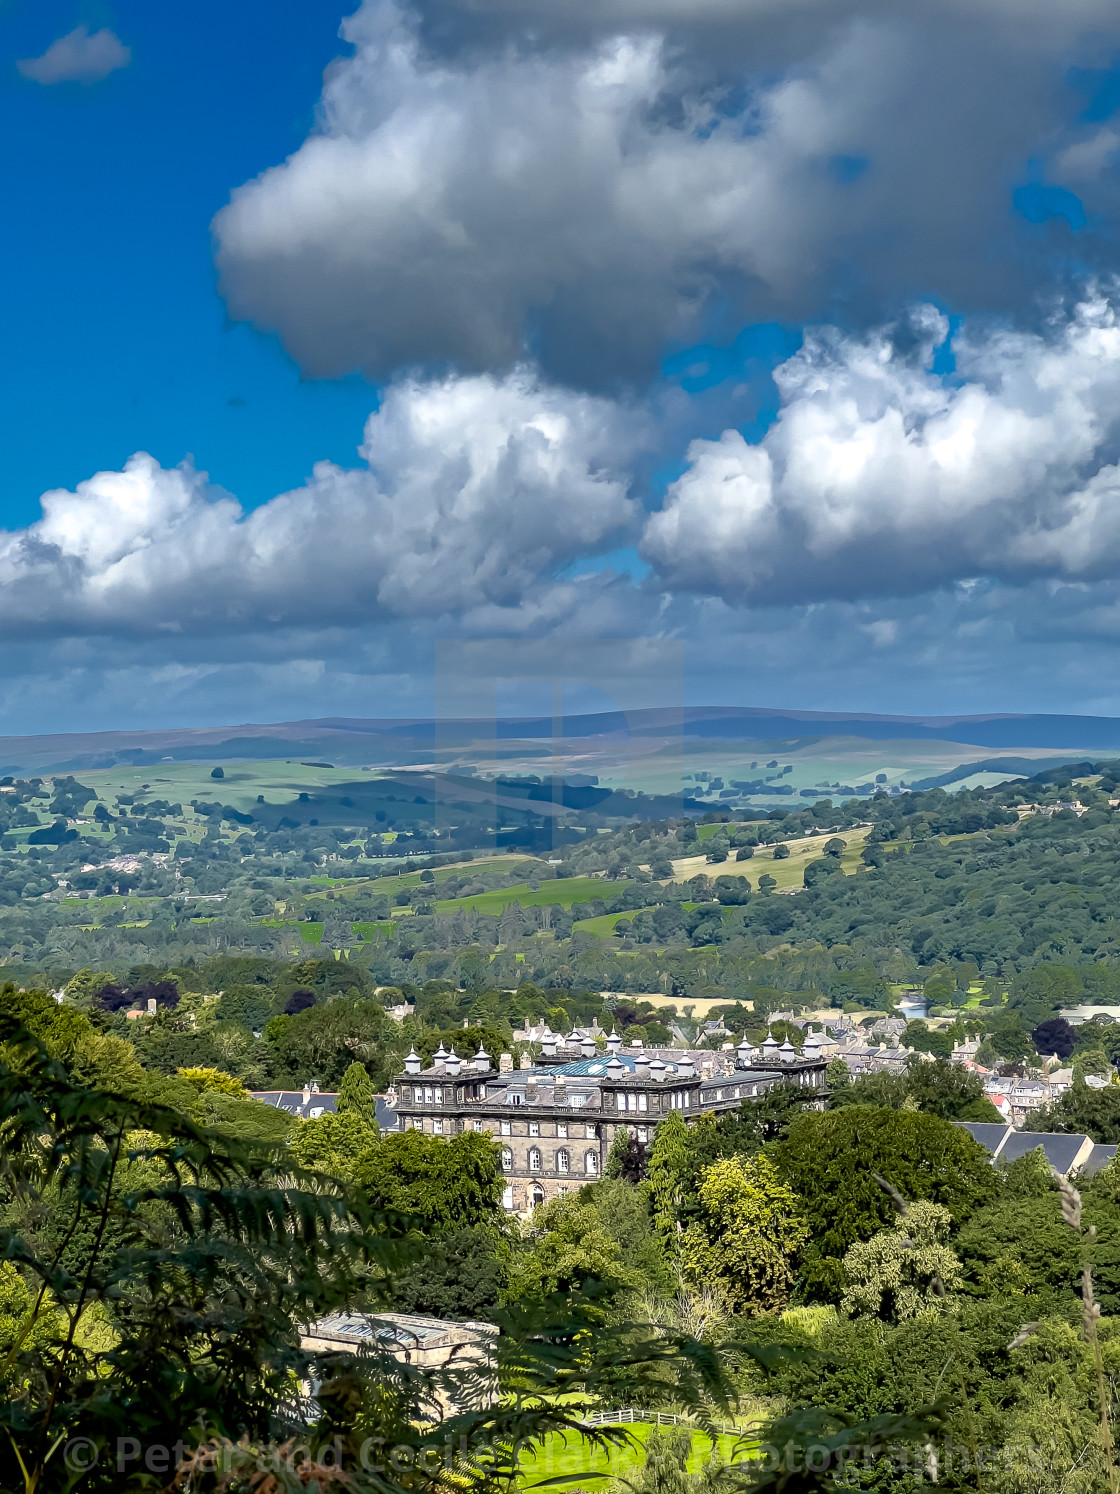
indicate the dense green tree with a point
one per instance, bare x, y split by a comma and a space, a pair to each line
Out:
1036, 994
923, 1039
61, 1029
937, 1088
902, 1272
249, 1005
625, 1213
1018, 1246
460, 1274
1012, 1042
443, 1183
950, 1091
564, 1246
333, 1143
173, 1040
320, 1043
831, 1162
355, 1093
671, 1172
863, 1368
748, 1237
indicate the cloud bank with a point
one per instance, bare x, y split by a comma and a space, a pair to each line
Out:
473, 490
508, 212
879, 478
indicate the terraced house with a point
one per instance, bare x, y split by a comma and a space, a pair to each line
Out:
555, 1119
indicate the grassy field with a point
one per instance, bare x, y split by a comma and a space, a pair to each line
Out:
567, 1462
602, 927
701, 1008
277, 781
350, 887
787, 873
563, 891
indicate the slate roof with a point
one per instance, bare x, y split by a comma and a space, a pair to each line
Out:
988, 1133
320, 1102
1061, 1151
291, 1100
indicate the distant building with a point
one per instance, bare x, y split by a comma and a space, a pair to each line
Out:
1090, 1011
555, 1120
311, 1102
425, 1343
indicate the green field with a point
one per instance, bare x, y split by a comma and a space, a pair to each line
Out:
278, 781
350, 887
563, 891
602, 927
566, 1461
787, 873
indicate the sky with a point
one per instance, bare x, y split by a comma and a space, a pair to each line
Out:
780, 336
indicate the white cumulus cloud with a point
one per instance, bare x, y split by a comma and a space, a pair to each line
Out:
586, 198
78, 57
880, 477
474, 491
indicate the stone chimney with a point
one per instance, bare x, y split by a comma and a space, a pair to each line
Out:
526, 1061
560, 1091
532, 1090
505, 1063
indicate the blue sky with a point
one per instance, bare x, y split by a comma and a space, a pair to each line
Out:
116, 338
790, 335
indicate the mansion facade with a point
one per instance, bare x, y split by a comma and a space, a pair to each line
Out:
555, 1120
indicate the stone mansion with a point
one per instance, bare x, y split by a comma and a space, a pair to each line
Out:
555, 1119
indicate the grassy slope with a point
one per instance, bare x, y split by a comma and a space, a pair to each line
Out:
568, 1462
563, 891
788, 873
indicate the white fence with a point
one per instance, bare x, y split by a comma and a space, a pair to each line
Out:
651, 1418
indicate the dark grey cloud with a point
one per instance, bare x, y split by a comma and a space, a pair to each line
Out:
593, 196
